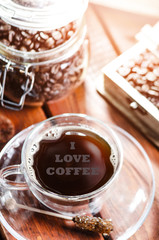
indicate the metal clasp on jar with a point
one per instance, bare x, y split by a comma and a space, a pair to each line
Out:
9, 66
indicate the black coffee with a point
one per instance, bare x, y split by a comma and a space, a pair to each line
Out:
76, 163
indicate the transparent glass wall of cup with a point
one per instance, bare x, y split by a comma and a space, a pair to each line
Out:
43, 50
70, 205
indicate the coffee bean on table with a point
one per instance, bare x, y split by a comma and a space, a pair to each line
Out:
7, 129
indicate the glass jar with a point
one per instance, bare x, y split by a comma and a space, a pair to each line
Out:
43, 50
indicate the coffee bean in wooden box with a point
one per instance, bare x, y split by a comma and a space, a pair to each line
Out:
131, 84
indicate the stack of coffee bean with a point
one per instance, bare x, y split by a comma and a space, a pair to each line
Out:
32, 40
142, 72
52, 80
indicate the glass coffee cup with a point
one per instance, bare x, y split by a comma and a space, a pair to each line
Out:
76, 177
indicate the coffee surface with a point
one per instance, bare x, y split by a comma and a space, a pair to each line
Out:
76, 163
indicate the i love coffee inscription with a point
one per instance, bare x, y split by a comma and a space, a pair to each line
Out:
76, 163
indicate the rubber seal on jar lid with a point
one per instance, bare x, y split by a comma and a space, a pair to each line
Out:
41, 14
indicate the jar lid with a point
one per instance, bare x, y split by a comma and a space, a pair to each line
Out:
41, 14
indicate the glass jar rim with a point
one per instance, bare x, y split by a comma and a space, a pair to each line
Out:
57, 14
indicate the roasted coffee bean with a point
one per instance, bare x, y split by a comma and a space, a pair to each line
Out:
145, 87
7, 129
68, 27
25, 34
142, 71
45, 76
32, 32
13, 36
151, 76
70, 34
17, 43
5, 42
156, 83
156, 71
143, 75
55, 69
5, 27
63, 32
47, 90
138, 88
57, 88
155, 88
42, 49
132, 76
130, 63
44, 36
14, 47
135, 69
31, 46
153, 93
64, 65
73, 78
139, 59
24, 49
59, 42
58, 75
27, 41
50, 42
77, 62
56, 35
124, 71
132, 83
32, 51
36, 45
18, 37
52, 81
145, 64
140, 81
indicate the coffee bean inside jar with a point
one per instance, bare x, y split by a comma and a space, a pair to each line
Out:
35, 41
42, 64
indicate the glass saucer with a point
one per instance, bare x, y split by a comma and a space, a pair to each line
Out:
128, 202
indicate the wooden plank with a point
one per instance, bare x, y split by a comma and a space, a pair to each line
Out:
122, 26
3, 233
22, 119
143, 7
45, 228
72, 103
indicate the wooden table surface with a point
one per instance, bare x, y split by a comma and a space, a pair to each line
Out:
111, 32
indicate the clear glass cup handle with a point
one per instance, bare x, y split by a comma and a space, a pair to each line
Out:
9, 184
